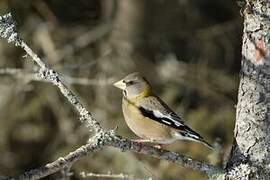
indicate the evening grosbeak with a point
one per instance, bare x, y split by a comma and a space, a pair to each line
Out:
149, 117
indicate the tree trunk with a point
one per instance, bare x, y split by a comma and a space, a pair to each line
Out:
250, 157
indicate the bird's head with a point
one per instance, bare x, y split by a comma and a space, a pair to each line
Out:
134, 86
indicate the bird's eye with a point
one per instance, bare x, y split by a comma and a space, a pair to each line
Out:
128, 83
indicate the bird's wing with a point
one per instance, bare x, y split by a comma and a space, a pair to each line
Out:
155, 109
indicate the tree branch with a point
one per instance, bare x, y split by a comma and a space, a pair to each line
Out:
101, 138
94, 145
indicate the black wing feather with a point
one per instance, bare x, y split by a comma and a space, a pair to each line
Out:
167, 121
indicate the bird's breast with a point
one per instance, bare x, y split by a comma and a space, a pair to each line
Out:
143, 126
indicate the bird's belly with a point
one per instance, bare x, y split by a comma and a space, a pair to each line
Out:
145, 127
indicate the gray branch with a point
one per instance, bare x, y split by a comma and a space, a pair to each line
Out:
109, 175
102, 138
60, 163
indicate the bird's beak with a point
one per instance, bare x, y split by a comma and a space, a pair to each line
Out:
120, 84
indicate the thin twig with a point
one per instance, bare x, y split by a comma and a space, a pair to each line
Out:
113, 176
86, 81
84, 40
109, 175
29, 76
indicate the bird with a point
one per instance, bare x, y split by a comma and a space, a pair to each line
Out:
149, 117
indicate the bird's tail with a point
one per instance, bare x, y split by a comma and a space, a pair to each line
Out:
189, 134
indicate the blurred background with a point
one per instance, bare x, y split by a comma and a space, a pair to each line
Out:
189, 50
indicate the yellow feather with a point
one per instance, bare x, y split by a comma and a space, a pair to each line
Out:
145, 93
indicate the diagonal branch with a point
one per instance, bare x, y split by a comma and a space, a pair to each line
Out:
102, 138
49, 74
110, 139
94, 145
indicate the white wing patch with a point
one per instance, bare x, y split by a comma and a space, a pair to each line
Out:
160, 115
167, 122
186, 137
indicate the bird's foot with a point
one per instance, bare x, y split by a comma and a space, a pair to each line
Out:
141, 141
158, 146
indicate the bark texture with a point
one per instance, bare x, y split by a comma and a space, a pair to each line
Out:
251, 152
